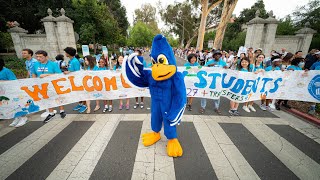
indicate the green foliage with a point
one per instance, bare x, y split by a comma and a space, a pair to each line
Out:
309, 13
249, 13
236, 42
147, 15
16, 65
141, 35
208, 36
120, 14
286, 27
5, 41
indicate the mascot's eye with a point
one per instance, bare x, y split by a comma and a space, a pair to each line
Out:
162, 59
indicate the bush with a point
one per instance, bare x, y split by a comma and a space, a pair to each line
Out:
17, 66
318, 108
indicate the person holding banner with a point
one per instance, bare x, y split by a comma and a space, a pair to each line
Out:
246, 66
73, 65
192, 61
216, 62
118, 67
43, 68
27, 55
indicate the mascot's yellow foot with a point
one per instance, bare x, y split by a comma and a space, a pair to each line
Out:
174, 148
150, 138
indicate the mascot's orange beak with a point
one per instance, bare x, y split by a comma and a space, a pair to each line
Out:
26, 105
162, 72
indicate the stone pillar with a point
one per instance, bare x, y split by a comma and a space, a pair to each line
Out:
270, 33
65, 32
16, 32
255, 32
52, 46
306, 35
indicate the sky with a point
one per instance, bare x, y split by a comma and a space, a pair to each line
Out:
280, 8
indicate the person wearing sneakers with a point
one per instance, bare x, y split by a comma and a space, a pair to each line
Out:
43, 68
118, 67
216, 62
102, 66
192, 61
7, 75
73, 65
259, 68
276, 66
89, 65
244, 67
141, 98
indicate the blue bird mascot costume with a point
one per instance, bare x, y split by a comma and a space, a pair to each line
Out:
167, 89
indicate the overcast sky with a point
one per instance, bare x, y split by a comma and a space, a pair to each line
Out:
280, 8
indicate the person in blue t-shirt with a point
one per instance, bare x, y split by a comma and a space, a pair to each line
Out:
43, 68
89, 65
5, 73
118, 67
192, 61
216, 62
27, 55
316, 65
296, 64
73, 66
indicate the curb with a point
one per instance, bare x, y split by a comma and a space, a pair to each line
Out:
304, 116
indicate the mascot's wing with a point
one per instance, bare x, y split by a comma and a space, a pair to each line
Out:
179, 100
133, 72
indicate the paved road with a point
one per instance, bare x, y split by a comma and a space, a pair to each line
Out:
108, 146
260, 145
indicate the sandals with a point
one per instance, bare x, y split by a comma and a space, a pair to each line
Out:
96, 108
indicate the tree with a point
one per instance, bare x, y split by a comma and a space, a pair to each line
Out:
95, 24
206, 7
119, 13
5, 41
140, 35
147, 15
309, 13
286, 26
228, 7
180, 20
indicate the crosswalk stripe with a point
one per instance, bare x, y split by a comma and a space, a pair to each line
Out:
25, 149
37, 167
117, 160
67, 165
264, 163
13, 137
299, 140
238, 162
145, 158
300, 164
195, 162
89, 160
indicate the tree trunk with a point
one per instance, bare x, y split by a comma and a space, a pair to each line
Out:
202, 28
190, 41
228, 8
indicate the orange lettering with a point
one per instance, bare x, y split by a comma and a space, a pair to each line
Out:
34, 94
58, 88
124, 84
85, 84
110, 82
97, 83
73, 86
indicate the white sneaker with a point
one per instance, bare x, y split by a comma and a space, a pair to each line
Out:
269, 109
245, 108
15, 121
252, 108
272, 106
263, 107
22, 122
46, 113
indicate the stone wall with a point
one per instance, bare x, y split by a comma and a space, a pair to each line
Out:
261, 33
59, 35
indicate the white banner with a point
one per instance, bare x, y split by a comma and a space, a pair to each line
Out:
26, 96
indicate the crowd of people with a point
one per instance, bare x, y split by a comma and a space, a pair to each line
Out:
251, 61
